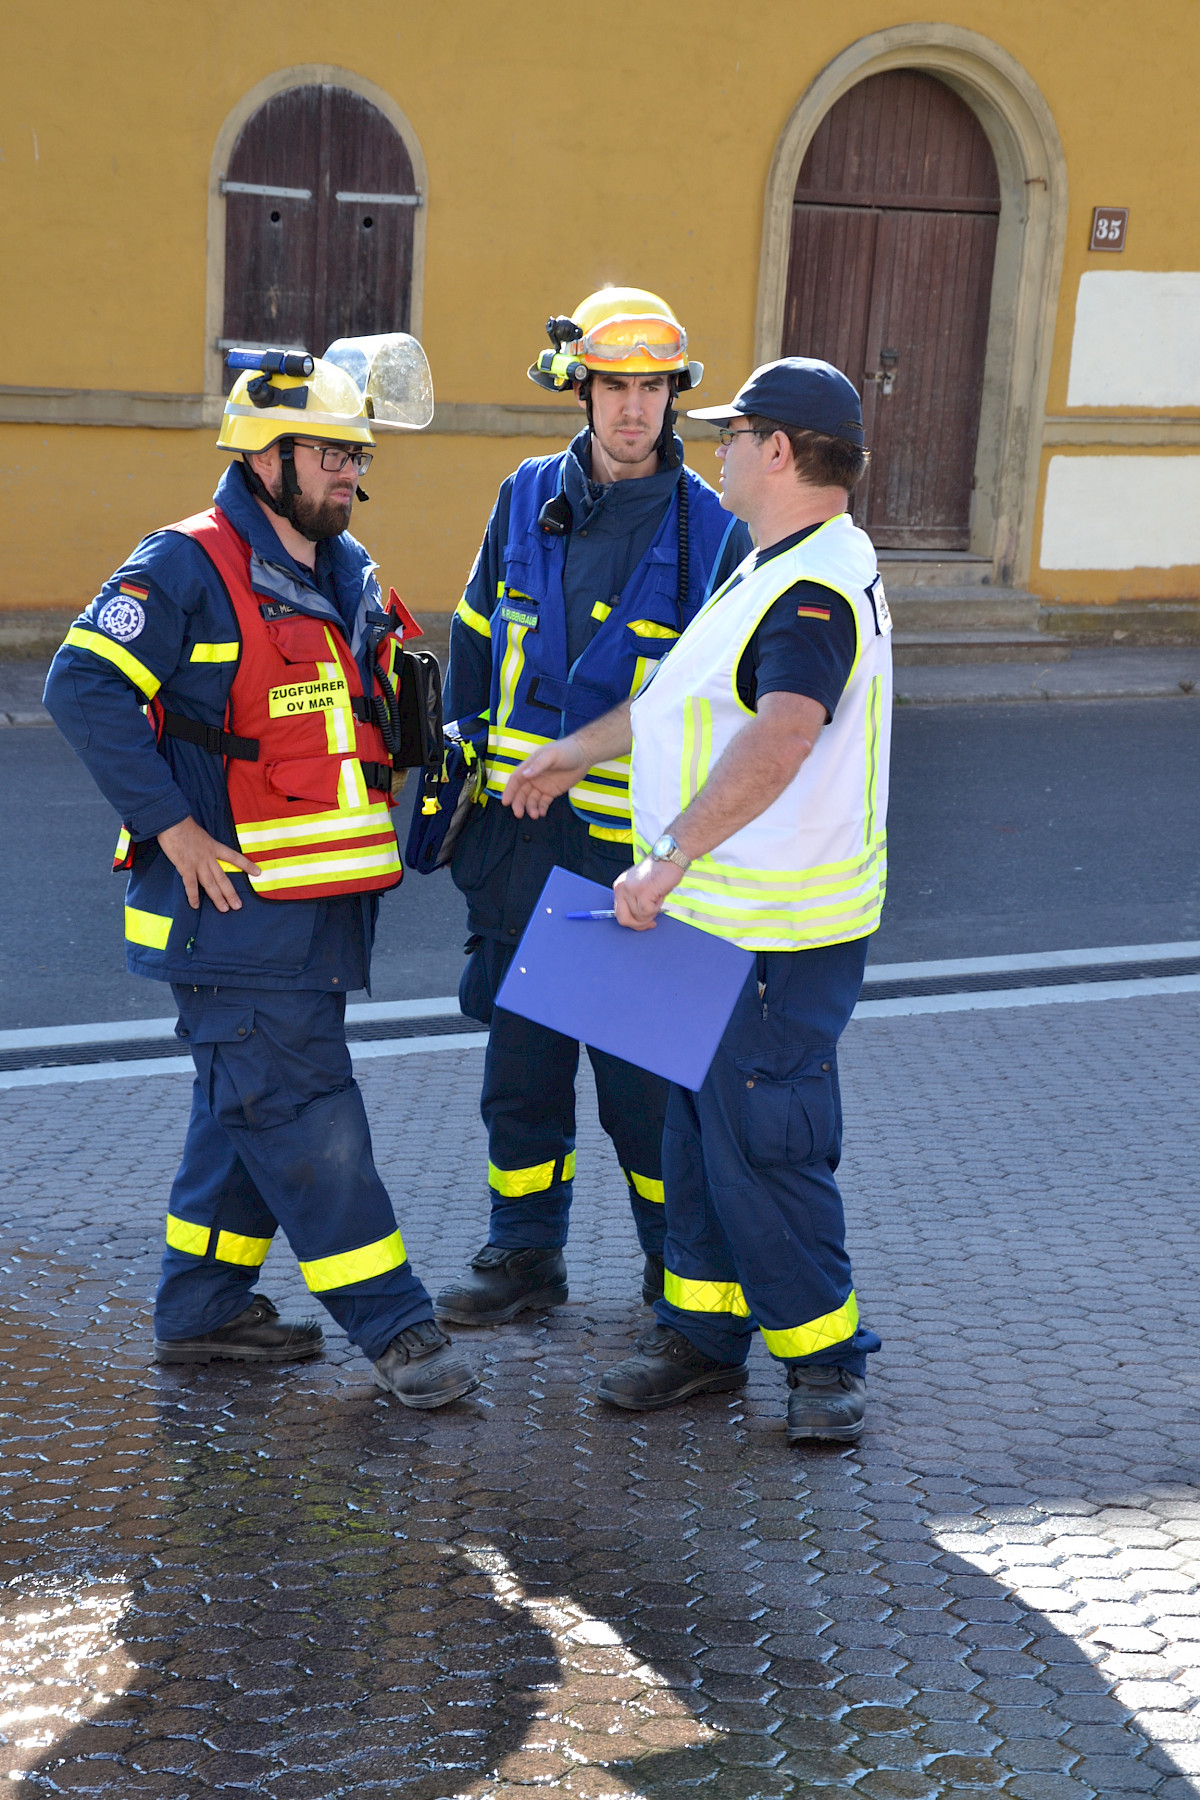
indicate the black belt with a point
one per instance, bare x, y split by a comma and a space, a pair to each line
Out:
210, 737
224, 743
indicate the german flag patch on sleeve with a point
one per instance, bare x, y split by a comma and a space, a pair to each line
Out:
809, 611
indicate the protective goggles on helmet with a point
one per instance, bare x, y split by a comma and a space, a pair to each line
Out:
625, 334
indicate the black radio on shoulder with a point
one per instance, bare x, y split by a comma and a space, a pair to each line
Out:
555, 516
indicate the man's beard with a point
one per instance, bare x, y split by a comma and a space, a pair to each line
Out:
315, 519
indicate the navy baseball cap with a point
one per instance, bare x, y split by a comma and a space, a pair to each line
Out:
800, 391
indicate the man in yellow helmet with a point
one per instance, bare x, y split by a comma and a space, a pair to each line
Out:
593, 562
222, 690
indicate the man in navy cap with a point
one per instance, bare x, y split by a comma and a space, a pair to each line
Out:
760, 775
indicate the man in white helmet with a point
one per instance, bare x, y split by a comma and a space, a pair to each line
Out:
593, 563
222, 689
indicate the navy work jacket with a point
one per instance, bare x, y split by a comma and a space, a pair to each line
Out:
501, 863
163, 627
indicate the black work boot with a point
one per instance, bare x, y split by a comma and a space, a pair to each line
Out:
652, 1279
421, 1368
257, 1335
665, 1369
825, 1404
501, 1283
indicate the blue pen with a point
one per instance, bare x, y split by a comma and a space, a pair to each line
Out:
591, 915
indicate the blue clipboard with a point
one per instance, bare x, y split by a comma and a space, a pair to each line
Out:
660, 999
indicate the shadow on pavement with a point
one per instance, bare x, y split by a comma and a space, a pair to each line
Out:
283, 1584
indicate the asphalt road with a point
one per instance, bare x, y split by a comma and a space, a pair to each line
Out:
1012, 829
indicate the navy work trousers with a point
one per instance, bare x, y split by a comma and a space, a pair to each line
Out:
279, 1136
755, 1229
528, 1106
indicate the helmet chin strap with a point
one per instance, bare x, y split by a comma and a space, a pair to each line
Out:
285, 506
666, 442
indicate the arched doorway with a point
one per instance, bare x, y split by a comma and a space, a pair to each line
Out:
320, 209
893, 241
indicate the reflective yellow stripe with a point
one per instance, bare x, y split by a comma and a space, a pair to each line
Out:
214, 653
647, 628
697, 747
647, 1188
601, 611
612, 834
475, 620
505, 750
873, 698
641, 669
326, 865
819, 1334
354, 1265
122, 849
272, 834
705, 1296
512, 1183
183, 1235
511, 664
120, 658
232, 1247
151, 929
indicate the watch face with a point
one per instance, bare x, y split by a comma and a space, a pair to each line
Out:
663, 848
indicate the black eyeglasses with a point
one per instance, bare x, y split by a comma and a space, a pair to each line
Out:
726, 436
334, 458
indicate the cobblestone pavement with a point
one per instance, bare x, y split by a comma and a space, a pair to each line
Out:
284, 1584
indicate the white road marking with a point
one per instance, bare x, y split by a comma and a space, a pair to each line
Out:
1038, 959
446, 1005
182, 1065
1067, 993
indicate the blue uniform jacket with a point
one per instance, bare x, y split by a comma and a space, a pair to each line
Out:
501, 863
163, 626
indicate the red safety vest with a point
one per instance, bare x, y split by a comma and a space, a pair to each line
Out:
302, 808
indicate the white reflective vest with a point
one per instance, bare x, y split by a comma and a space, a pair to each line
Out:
810, 869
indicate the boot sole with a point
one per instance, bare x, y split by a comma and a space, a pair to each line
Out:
553, 1296
720, 1383
426, 1402
166, 1352
826, 1434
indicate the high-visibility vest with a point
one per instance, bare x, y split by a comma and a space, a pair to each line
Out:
810, 869
303, 808
535, 697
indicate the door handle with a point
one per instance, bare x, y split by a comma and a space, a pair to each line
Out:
886, 375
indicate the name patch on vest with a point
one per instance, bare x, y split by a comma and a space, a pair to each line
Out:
513, 615
276, 609
308, 697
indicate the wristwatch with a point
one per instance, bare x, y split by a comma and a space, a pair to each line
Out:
665, 849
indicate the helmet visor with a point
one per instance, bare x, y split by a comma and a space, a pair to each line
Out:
391, 372
628, 334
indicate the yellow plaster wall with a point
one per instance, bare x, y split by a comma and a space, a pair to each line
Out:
79, 498
546, 178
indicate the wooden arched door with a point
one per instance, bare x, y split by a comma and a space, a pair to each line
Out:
320, 204
890, 275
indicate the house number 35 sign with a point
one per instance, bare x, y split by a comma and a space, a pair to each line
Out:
1109, 224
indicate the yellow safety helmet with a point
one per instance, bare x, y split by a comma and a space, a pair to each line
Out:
277, 396
621, 330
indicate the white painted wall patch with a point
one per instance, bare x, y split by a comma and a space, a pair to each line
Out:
1121, 512
1137, 340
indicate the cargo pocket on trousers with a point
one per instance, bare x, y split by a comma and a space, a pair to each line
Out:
237, 1069
795, 1119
